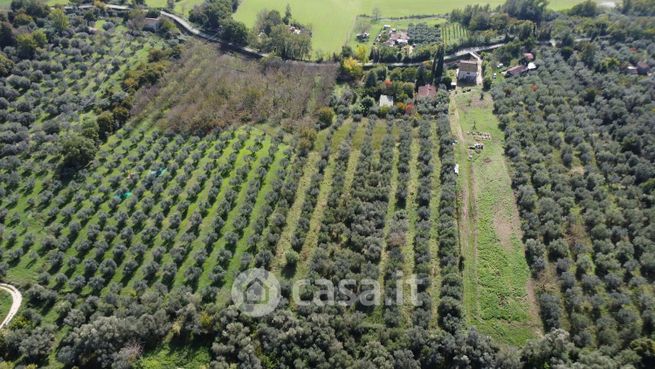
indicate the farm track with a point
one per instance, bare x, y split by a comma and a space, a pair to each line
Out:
16, 300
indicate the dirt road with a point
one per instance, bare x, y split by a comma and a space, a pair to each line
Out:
17, 299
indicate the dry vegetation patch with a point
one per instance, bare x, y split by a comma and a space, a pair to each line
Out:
207, 89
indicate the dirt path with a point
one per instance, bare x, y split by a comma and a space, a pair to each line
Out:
17, 299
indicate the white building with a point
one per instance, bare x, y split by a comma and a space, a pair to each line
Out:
386, 100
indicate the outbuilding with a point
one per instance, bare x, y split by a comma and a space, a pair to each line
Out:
516, 71
151, 24
386, 101
643, 68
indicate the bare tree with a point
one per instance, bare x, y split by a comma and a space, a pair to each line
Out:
376, 14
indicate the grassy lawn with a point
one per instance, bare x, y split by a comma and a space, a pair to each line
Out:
331, 30
498, 297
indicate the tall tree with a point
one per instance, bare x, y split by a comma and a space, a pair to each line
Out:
422, 76
59, 20
437, 65
376, 14
7, 37
287, 15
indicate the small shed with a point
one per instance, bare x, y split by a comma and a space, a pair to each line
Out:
643, 68
151, 24
516, 71
386, 101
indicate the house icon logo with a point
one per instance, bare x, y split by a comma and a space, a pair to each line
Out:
256, 292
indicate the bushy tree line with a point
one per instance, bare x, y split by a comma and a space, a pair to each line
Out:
282, 36
422, 258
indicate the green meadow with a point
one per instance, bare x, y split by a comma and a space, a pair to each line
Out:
333, 21
498, 296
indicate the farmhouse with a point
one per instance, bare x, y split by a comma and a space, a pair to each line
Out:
426, 92
386, 100
468, 71
397, 38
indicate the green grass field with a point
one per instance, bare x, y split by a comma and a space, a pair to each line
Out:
497, 291
333, 21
